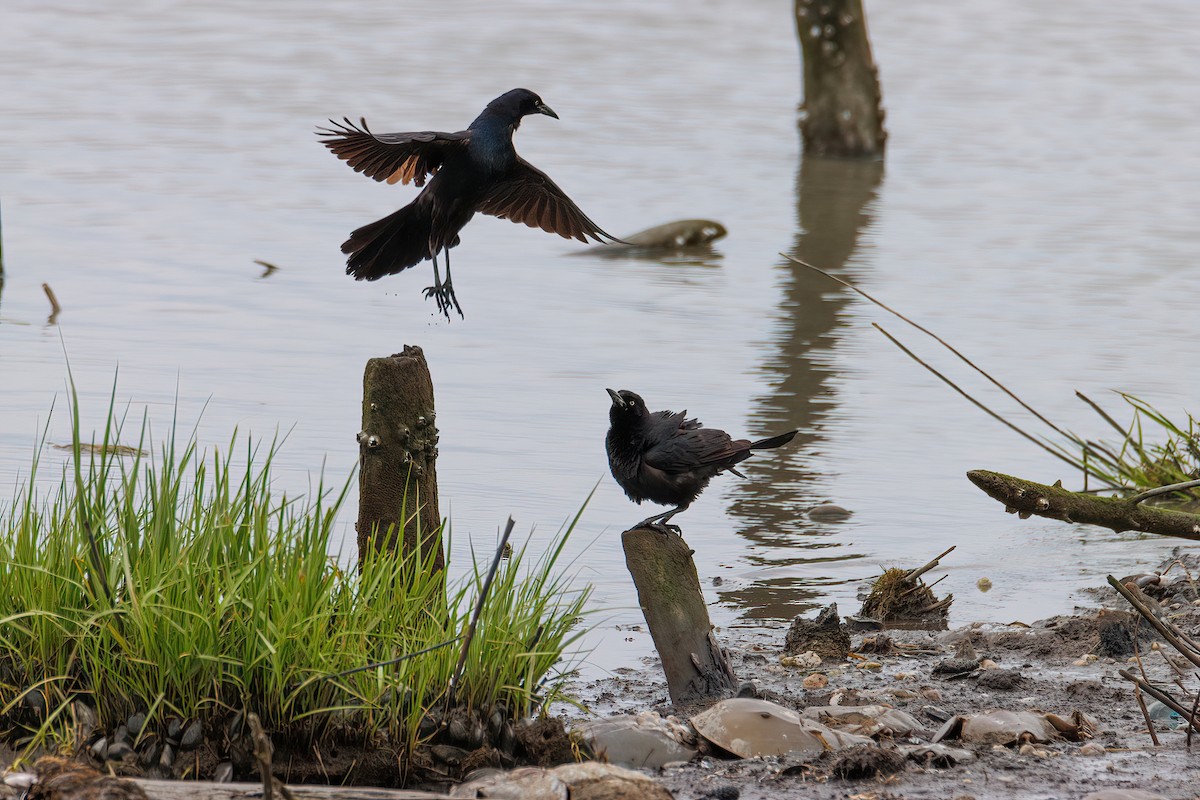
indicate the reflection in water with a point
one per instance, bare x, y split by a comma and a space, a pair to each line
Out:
833, 203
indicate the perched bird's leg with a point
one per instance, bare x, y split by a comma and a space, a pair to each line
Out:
659, 522
443, 292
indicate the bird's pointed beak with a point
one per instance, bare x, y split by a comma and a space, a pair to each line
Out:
616, 398
542, 108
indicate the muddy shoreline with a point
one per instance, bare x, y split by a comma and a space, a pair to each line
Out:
1060, 665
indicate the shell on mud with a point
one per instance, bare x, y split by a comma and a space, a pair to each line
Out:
589, 779
864, 720
645, 741
748, 727
526, 783
999, 726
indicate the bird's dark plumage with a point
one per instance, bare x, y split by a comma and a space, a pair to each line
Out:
475, 170
666, 458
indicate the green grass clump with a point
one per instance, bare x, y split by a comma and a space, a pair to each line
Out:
1153, 450
183, 585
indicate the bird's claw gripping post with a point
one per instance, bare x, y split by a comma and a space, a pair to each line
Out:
657, 523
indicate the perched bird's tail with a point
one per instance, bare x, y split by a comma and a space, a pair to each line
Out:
773, 442
390, 245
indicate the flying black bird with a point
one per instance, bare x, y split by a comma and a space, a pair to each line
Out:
668, 459
476, 170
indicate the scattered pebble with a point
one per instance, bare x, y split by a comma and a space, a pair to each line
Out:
193, 735
100, 749
931, 694
1092, 749
1000, 679
805, 660
983, 585
955, 666
987, 663
118, 750
816, 680
1090, 658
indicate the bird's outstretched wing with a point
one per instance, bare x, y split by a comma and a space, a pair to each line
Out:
392, 157
528, 195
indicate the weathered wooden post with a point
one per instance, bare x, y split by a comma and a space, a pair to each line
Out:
397, 456
697, 670
843, 112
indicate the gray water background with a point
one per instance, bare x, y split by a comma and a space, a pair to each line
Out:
1037, 207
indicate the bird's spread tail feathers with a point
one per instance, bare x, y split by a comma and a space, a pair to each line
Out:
773, 442
389, 245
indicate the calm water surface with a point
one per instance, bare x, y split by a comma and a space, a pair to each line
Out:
1037, 207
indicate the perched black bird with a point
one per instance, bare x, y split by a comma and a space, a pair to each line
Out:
666, 458
476, 170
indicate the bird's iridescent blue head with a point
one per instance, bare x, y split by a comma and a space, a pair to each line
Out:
626, 406
520, 103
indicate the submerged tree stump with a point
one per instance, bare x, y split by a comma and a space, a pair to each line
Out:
397, 474
668, 587
843, 105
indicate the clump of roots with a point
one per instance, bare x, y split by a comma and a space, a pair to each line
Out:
897, 598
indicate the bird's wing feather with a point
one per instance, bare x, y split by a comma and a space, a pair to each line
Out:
692, 447
526, 194
392, 157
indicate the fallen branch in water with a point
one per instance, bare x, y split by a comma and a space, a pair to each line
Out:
1028, 498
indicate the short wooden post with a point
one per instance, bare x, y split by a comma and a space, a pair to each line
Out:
668, 587
397, 474
843, 112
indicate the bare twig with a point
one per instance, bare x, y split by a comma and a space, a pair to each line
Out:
392, 661
1156, 491
937, 339
262, 757
55, 308
1105, 416
483, 593
1137, 695
1195, 707
1160, 696
1167, 633
267, 266
977, 403
1137, 692
919, 571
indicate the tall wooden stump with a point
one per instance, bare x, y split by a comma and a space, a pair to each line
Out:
669, 593
843, 112
397, 455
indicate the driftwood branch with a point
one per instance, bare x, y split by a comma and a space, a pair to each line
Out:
1054, 502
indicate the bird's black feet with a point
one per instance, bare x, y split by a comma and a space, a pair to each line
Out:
443, 293
655, 524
